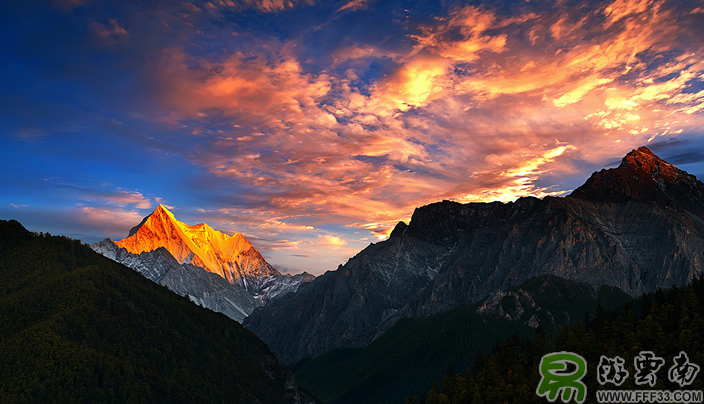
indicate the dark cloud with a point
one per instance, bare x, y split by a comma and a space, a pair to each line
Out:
687, 158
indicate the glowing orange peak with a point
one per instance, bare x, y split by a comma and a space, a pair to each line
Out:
200, 245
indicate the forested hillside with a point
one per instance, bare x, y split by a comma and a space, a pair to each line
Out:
78, 327
664, 322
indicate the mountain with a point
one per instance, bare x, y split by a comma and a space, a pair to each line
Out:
78, 327
221, 272
637, 227
231, 257
644, 177
344, 308
410, 355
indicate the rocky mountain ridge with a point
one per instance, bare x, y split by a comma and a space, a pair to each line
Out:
232, 257
638, 227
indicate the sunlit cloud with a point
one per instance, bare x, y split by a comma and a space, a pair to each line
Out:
467, 113
108, 220
160, 201
220, 7
355, 5
472, 23
312, 141
332, 242
121, 198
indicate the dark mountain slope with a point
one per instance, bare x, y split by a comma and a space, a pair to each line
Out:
344, 308
78, 327
414, 351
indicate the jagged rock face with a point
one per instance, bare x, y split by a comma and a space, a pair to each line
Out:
635, 247
231, 257
511, 305
637, 228
220, 272
346, 307
629, 227
204, 288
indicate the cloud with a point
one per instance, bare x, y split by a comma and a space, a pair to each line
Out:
107, 220
332, 242
104, 193
255, 87
354, 5
415, 84
298, 127
160, 201
472, 24
108, 35
482, 106
118, 198
123, 198
267, 6
90, 224
620, 9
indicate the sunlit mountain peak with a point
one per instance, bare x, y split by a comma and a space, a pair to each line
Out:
232, 257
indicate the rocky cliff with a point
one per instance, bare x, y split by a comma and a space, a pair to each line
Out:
344, 308
637, 227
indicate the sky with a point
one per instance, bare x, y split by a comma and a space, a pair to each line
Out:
313, 127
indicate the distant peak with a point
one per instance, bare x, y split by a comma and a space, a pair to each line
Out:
645, 177
162, 209
399, 229
644, 162
642, 158
641, 151
200, 245
159, 211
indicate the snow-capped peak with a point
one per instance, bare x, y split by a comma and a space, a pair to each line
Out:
232, 257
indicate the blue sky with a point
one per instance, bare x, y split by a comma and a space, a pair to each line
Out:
312, 127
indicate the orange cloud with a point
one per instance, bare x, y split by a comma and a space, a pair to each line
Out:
472, 23
108, 220
333, 242
413, 85
355, 5
267, 6
620, 9
481, 107
247, 85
